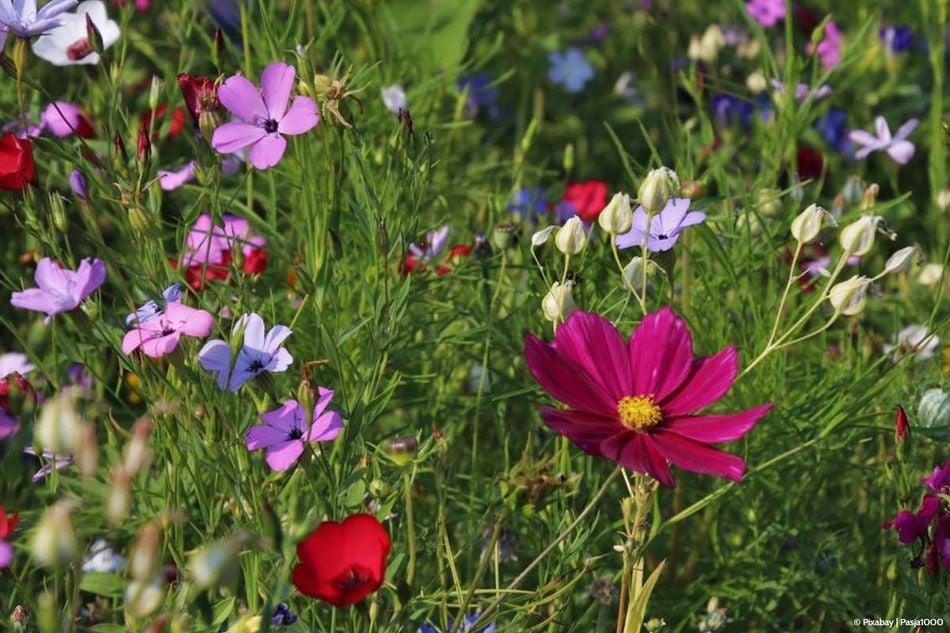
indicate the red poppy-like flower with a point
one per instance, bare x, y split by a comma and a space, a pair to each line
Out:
635, 402
17, 168
588, 198
200, 95
343, 562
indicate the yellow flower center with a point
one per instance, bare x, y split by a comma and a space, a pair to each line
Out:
639, 413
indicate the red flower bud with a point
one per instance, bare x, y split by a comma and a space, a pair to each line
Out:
343, 562
17, 168
7, 522
16, 394
144, 149
200, 95
901, 426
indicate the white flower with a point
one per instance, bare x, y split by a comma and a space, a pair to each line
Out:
617, 216
915, 340
902, 260
858, 237
103, 559
930, 274
806, 226
15, 362
540, 237
559, 302
848, 297
571, 239
395, 98
69, 44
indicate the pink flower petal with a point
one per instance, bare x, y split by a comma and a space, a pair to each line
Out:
326, 427
638, 452
901, 151
661, 354
49, 275
286, 418
132, 340
264, 435
565, 380
242, 99
698, 458
159, 346
284, 455
726, 427
277, 81
594, 343
234, 136
587, 431
189, 320
302, 117
6, 554
268, 151
708, 381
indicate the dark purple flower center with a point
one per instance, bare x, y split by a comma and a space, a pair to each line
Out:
352, 579
295, 434
270, 126
79, 49
256, 366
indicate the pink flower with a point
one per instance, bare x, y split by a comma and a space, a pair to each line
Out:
635, 402
262, 117
829, 48
159, 335
209, 244
170, 180
287, 430
897, 146
911, 526
64, 119
766, 12
60, 290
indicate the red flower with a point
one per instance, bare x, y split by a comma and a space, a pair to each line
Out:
343, 562
200, 95
637, 402
17, 168
175, 127
7, 522
588, 198
810, 163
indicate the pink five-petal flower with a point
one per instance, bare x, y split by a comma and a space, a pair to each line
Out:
262, 116
60, 290
159, 335
284, 434
635, 402
896, 146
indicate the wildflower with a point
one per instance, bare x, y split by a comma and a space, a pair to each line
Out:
768, 13
15, 393
394, 98
664, 227
21, 17
54, 461
54, 540
529, 202
77, 182
262, 116
538, 238
150, 309
160, 335
617, 216
571, 239
200, 95
585, 199
897, 147
481, 95
210, 250
829, 48
570, 69
103, 559
467, 623
848, 297
806, 226
343, 562
15, 362
8, 523
169, 180
69, 44
896, 39
914, 340
657, 188
802, 91
282, 616
261, 352
17, 168
558, 303
635, 403
833, 127
60, 290
287, 430
64, 119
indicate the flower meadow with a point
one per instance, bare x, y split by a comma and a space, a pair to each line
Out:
474, 316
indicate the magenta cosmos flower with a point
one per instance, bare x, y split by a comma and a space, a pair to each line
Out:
635, 403
159, 335
286, 431
262, 116
60, 290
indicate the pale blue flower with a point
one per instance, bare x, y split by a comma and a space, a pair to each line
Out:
570, 69
21, 17
260, 353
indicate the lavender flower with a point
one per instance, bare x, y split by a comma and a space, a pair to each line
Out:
15, 362
60, 290
54, 461
897, 146
570, 69
434, 245
833, 127
664, 228
897, 39
260, 353
482, 96
151, 309
466, 625
77, 182
529, 202
23, 19
283, 616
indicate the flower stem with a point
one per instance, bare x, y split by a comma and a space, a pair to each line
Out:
410, 527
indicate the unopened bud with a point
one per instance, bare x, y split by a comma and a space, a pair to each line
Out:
58, 213
138, 220
617, 216
807, 225
657, 188
54, 539
145, 555
20, 620
633, 272
558, 303
943, 199
144, 598
402, 449
848, 297
901, 426
216, 564
154, 93
853, 191
540, 237
502, 235
858, 237
58, 428
94, 36
144, 146
87, 453
137, 452
571, 239
902, 260
869, 197
119, 498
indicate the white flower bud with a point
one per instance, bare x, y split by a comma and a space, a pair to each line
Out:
143, 598
806, 226
58, 428
756, 82
571, 238
540, 237
930, 274
858, 237
617, 216
633, 273
217, 563
54, 540
559, 302
137, 451
658, 187
119, 498
902, 260
943, 199
848, 297
145, 555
